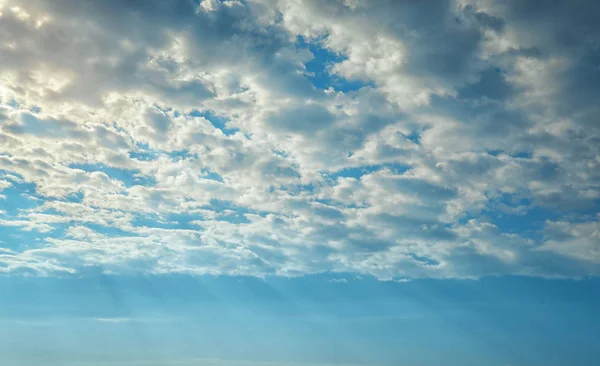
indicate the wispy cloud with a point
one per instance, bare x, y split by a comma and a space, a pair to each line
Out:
114, 320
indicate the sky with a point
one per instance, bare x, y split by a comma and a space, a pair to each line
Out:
299, 182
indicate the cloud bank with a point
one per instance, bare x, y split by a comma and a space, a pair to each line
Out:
397, 139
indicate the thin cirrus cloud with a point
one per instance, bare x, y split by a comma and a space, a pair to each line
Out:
285, 138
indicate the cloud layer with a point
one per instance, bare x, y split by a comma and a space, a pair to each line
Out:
396, 139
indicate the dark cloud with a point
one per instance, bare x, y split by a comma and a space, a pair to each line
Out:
491, 84
305, 119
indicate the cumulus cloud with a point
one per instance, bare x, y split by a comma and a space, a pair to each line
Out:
390, 138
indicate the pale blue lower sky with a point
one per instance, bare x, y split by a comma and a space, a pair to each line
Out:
152, 321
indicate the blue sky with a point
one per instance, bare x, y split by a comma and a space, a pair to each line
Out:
266, 182
309, 320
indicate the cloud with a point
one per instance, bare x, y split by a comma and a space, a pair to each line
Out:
456, 140
114, 320
577, 240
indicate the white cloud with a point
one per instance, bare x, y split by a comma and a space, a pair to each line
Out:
190, 138
576, 240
